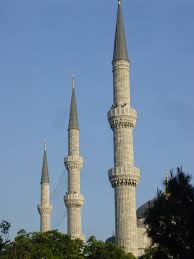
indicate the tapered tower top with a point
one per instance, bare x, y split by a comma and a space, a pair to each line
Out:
45, 175
120, 45
73, 118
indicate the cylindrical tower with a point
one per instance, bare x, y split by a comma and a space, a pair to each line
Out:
122, 118
74, 200
45, 208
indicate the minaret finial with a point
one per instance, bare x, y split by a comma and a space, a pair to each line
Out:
73, 118
45, 144
166, 181
167, 194
73, 81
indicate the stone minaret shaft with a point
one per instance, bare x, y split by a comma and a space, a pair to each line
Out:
122, 118
73, 163
45, 208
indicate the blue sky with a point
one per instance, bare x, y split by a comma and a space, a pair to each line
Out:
41, 44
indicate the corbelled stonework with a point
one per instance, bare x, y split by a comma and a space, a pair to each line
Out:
73, 163
122, 119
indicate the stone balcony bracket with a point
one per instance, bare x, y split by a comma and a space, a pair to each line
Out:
73, 162
74, 200
45, 209
124, 175
121, 117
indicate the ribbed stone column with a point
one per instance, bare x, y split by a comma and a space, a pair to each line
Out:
73, 163
124, 176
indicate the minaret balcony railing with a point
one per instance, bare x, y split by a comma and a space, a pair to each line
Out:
74, 200
73, 158
122, 116
124, 175
122, 110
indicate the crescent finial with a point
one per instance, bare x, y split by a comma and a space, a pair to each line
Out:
73, 81
45, 144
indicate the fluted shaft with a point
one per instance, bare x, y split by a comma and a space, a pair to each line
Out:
121, 82
73, 143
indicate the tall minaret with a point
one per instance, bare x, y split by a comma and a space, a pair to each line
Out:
74, 200
122, 118
45, 208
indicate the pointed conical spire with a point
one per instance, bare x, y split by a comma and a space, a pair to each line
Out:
73, 118
45, 175
120, 45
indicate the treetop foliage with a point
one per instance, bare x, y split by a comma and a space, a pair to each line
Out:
55, 245
170, 218
4, 231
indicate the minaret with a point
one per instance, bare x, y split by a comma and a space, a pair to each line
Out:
122, 118
45, 208
74, 200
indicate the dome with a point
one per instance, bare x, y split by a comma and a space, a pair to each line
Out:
110, 240
143, 208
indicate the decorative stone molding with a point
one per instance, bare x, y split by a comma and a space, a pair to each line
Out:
74, 200
74, 158
120, 64
45, 209
73, 162
122, 116
119, 111
124, 175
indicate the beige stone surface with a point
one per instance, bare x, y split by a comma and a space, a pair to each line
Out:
121, 92
45, 208
73, 199
143, 240
124, 176
73, 142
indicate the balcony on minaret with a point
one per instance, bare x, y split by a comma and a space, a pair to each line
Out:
74, 200
124, 175
45, 209
122, 116
73, 162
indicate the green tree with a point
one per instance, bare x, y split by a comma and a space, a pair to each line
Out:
48, 245
100, 250
4, 234
154, 253
170, 219
55, 245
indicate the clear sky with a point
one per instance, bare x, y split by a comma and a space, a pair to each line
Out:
41, 44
